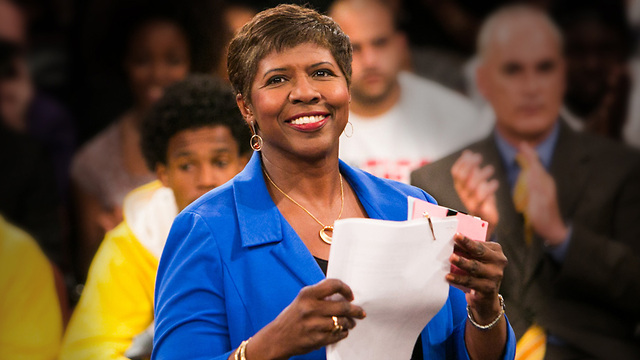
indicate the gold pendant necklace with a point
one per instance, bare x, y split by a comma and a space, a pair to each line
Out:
327, 239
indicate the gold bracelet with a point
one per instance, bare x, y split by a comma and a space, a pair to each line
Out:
241, 351
491, 324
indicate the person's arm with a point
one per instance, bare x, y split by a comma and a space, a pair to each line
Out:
606, 268
117, 300
601, 267
192, 300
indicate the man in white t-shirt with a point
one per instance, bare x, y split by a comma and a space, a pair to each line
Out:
400, 121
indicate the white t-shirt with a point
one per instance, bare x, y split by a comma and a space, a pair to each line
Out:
428, 122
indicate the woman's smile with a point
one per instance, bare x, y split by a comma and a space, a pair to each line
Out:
308, 122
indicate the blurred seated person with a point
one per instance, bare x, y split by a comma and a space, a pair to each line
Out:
195, 140
236, 14
158, 45
563, 204
31, 326
398, 120
242, 275
597, 48
28, 195
29, 111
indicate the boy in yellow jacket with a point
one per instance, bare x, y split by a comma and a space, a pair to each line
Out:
195, 140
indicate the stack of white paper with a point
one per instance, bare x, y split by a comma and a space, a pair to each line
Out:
397, 273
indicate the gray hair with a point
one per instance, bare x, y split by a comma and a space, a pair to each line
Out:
499, 20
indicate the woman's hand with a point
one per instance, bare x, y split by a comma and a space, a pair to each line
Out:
307, 324
482, 265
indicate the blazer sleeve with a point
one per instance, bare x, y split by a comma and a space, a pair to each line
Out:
191, 318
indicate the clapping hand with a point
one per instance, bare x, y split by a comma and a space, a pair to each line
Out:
475, 187
542, 206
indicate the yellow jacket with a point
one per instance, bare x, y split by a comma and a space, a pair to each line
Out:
30, 316
117, 300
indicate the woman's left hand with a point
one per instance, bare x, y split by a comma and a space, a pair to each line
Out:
482, 265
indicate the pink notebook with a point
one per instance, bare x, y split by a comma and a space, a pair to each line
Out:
470, 226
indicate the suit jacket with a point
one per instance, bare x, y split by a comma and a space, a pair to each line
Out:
591, 299
232, 263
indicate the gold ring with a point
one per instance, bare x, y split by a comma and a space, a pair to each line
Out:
336, 327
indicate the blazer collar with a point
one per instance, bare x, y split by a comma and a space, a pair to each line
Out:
258, 216
260, 220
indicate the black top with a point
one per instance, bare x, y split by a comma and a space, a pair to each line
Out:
323, 264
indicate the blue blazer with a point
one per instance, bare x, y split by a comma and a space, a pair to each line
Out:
232, 263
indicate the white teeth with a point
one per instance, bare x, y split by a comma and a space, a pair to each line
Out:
307, 120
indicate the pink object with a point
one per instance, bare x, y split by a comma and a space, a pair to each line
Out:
470, 226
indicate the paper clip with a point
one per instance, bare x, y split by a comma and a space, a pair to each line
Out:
426, 215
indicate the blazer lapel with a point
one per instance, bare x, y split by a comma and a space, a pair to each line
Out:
570, 170
262, 224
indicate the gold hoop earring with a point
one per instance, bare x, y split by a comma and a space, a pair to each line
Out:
256, 140
348, 133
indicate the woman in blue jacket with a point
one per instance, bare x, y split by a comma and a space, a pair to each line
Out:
241, 276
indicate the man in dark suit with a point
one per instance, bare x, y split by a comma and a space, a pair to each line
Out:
574, 246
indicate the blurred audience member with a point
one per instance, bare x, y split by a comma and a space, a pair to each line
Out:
13, 23
157, 46
236, 14
195, 140
597, 48
563, 204
631, 131
31, 325
399, 120
27, 110
28, 195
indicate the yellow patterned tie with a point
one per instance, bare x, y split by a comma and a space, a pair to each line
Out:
532, 345
521, 197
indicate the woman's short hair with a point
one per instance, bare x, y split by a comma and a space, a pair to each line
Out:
196, 102
278, 28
